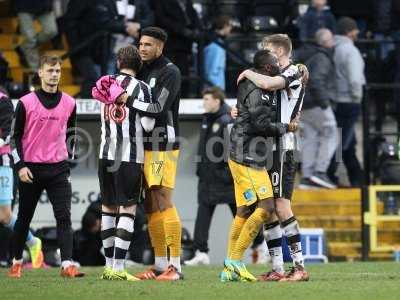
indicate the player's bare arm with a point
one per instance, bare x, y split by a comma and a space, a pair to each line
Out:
263, 81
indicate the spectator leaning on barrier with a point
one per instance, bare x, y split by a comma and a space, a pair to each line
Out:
28, 11
215, 54
350, 79
319, 135
317, 16
215, 180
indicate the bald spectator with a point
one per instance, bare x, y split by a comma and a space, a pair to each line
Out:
318, 120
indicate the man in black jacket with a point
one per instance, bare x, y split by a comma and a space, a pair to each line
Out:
318, 121
161, 155
181, 22
215, 180
140, 15
89, 25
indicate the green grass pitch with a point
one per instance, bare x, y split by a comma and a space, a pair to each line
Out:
328, 281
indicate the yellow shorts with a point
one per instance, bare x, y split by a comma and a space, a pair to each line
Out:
251, 184
160, 168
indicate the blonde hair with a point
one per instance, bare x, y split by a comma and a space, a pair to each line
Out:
279, 40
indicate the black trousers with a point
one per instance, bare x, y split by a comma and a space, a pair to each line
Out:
208, 199
55, 179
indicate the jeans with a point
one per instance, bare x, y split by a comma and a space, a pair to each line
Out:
33, 40
347, 115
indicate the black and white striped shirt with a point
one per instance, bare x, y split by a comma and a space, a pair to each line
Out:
122, 126
290, 102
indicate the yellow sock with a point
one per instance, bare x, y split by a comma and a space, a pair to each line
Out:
157, 234
249, 232
236, 228
173, 231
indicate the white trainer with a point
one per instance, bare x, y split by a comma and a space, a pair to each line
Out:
200, 258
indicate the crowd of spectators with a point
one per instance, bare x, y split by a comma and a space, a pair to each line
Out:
200, 38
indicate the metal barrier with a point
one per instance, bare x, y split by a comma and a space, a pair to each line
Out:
372, 217
369, 214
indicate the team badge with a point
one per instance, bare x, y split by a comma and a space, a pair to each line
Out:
152, 82
215, 127
249, 195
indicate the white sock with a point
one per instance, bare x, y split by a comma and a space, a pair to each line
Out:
109, 262
123, 239
17, 261
274, 243
108, 237
160, 263
176, 262
292, 231
66, 263
119, 265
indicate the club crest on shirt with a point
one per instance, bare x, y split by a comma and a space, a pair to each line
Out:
152, 82
215, 127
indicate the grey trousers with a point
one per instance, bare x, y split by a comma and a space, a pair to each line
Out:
319, 139
33, 39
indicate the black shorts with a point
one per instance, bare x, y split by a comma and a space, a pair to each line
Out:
283, 174
121, 186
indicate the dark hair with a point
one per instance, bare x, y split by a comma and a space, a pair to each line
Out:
155, 32
220, 22
345, 25
266, 61
129, 58
279, 40
89, 219
50, 60
216, 92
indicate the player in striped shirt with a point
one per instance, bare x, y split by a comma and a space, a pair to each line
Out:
290, 88
121, 158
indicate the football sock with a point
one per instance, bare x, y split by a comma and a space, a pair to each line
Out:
274, 243
30, 239
236, 228
123, 238
157, 236
291, 230
66, 263
161, 263
108, 236
249, 232
173, 233
176, 262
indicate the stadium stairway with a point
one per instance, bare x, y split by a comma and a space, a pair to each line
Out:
338, 212
10, 39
